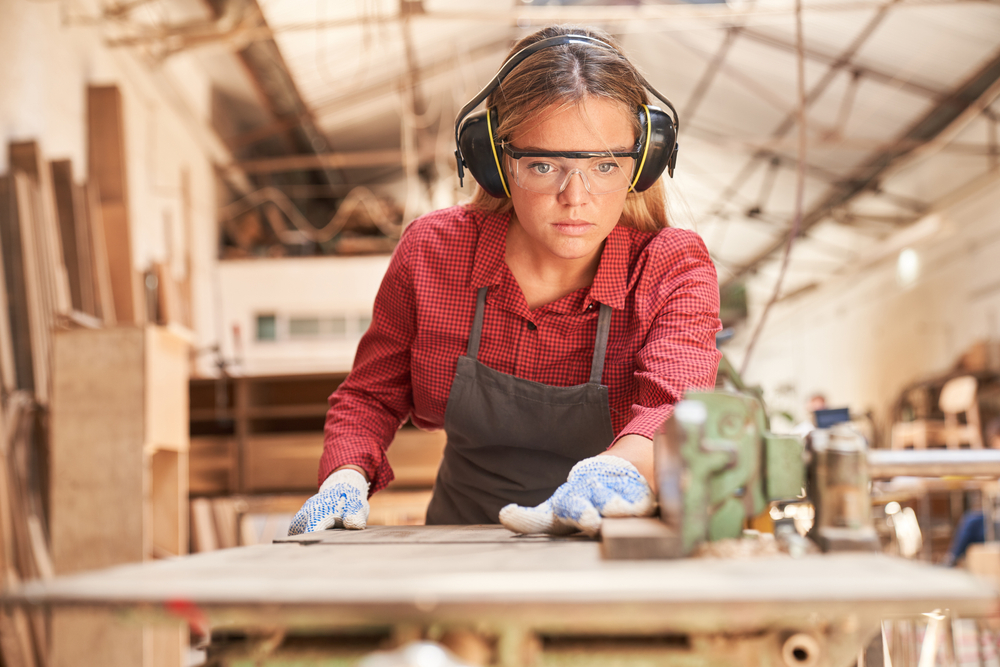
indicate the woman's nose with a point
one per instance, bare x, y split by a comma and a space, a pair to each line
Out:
575, 190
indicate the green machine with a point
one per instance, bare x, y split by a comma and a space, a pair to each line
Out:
718, 465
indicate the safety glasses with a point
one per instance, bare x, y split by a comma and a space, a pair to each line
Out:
549, 173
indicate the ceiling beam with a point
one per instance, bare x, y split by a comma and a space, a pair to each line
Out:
374, 88
965, 97
867, 71
343, 160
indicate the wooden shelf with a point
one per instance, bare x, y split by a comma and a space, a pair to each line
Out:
264, 435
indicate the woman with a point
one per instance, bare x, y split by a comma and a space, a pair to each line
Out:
549, 325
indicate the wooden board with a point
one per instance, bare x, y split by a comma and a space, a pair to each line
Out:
166, 396
97, 460
638, 539
38, 315
107, 168
546, 584
104, 298
479, 534
26, 157
13, 266
74, 234
211, 464
8, 368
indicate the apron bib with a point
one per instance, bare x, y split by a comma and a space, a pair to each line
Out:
512, 440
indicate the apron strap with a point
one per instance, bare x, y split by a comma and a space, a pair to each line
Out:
477, 324
600, 344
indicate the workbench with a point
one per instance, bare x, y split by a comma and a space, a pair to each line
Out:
537, 600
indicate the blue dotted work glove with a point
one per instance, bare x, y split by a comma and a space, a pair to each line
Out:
597, 487
342, 502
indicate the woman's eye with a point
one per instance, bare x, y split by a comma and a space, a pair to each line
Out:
605, 168
541, 168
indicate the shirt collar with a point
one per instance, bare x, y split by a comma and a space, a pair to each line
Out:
610, 283
491, 249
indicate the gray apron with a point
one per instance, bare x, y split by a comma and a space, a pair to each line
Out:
512, 440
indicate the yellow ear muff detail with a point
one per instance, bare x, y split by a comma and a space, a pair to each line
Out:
496, 158
645, 149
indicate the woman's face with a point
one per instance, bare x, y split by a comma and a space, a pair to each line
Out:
574, 223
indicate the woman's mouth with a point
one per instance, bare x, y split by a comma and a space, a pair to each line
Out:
573, 227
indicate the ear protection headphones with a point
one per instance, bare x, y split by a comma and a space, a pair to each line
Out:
480, 151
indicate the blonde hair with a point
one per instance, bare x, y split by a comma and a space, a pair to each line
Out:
566, 75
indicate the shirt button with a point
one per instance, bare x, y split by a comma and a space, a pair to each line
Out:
531, 326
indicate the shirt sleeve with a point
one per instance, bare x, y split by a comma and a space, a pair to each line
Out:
368, 408
680, 290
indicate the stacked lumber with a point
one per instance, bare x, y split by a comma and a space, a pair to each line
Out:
57, 270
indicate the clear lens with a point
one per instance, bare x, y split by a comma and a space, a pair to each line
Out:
551, 175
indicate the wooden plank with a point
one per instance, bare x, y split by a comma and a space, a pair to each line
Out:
281, 461
168, 305
99, 635
97, 456
107, 169
226, 522
17, 289
491, 534
8, 368
211, 458
26, 156
535, 583
39, 318
166, 398
104, 298
126, 283
202, 526
638, 538
168, 503
16, 645
74, 236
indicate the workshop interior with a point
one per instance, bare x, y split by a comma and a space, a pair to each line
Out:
199, 200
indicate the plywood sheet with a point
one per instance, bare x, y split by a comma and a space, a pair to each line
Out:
89, 637
97, 457
544, 583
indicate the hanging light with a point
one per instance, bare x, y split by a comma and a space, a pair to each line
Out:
907, 267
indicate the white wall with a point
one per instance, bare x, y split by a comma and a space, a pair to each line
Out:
300, 286
45, 68
861, 338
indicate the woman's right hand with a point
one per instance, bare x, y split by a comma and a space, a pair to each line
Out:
342, 502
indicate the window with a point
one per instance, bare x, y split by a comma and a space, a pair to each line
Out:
340, 327
267, 327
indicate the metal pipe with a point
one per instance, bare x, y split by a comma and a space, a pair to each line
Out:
885, 463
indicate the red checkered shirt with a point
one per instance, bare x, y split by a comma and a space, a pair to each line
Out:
662, 287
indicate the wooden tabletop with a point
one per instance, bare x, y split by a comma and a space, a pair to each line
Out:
390, 575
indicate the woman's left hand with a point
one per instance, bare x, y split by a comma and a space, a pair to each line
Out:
597, 487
